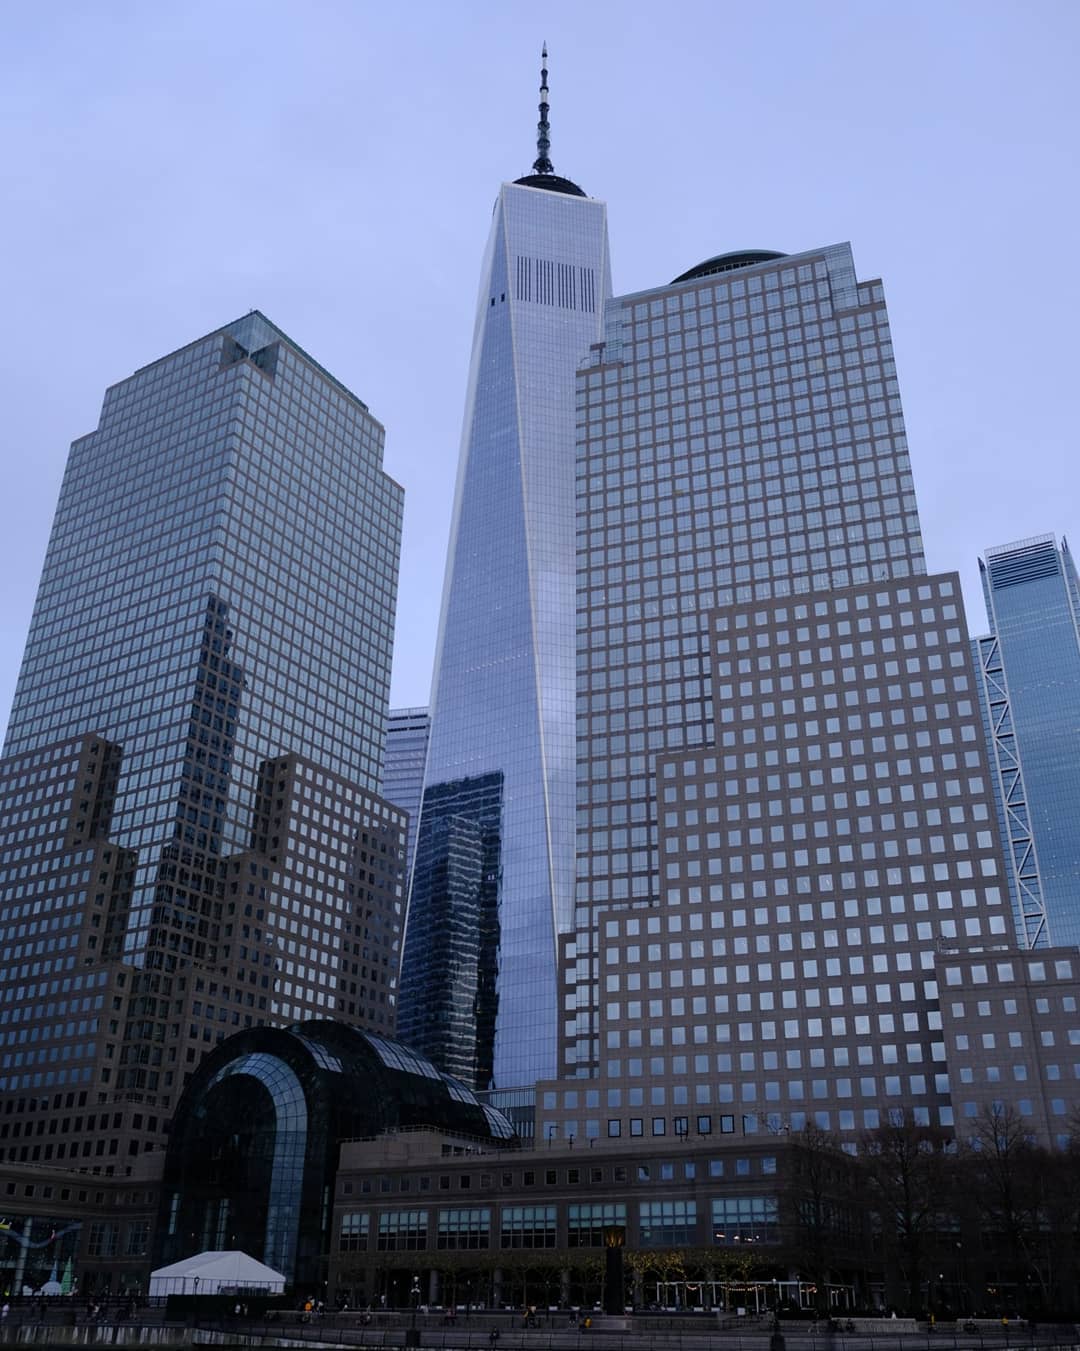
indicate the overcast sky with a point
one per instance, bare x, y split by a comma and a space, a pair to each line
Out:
168, 167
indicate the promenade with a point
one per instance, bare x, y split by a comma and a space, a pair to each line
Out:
551, 1332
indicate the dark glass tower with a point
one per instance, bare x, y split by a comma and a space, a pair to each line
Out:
1030, 670
454, 926
503, 687
407, 732
188, 820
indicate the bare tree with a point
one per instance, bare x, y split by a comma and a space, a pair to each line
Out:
908, 1175
1027, 1200
822, 1196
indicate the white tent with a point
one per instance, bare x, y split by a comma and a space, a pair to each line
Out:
211, 1273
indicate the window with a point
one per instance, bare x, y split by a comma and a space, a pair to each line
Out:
402, 1230
464, 1228
353, 1234
103, 1240
745, 1219
666, 1224
138, 1238
586, 1224
528, 1227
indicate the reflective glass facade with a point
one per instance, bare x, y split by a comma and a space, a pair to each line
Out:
1030, 670
451, 951
407, 731
189, 832
502, 693
224, 553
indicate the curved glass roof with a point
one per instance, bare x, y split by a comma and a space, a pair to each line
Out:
398, 1056
366, 1082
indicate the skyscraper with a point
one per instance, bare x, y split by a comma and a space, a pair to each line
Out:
191, 837
819, 863
503, 687
740, 438
789, 883
1029, 666
407, 732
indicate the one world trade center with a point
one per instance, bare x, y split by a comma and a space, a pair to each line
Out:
494, 871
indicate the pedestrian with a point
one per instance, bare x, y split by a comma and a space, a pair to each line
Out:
4, 1312
493, 1337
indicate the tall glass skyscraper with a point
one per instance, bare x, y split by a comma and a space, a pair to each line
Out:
1029, 666
234, 478
407, 732
503, 687
190, 837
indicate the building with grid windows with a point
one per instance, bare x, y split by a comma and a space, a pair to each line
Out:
502, 691
740, 437
831, 945
191, 839
758, 947
815, 862
1029, 666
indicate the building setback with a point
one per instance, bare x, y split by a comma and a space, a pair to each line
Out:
816, 864
1029, 666
190, 836
740, 437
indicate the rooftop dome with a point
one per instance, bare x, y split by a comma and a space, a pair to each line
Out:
728, 262
551, 183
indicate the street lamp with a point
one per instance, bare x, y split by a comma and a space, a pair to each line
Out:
412, 1332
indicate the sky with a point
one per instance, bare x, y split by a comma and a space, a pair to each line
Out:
167, 168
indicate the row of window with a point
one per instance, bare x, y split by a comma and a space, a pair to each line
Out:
735, 1220
653, 1171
